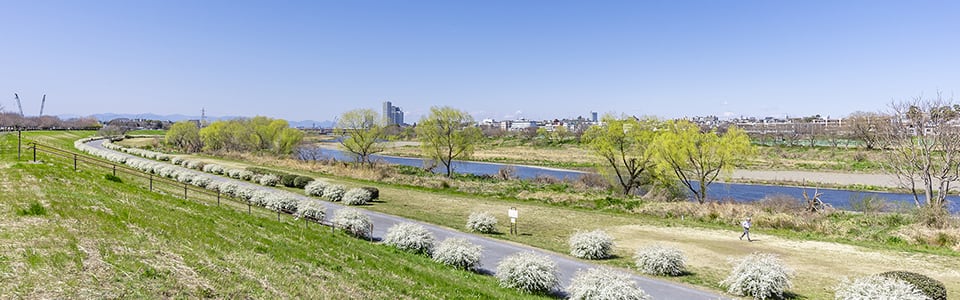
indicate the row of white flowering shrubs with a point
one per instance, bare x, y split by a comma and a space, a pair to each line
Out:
270, 199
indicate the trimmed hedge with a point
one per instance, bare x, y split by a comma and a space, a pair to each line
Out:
928, 286
374, 192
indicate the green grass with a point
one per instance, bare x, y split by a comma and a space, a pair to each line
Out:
147, 132
35, 209
104, 239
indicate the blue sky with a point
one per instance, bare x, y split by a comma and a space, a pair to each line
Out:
494, 59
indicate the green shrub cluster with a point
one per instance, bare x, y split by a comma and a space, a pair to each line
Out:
286, 179
929, 286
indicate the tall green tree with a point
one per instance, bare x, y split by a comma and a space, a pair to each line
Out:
623, 145
256, 134
360, 132
697, 158
447, 134
185, 136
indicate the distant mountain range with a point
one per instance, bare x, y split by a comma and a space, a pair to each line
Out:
178, 117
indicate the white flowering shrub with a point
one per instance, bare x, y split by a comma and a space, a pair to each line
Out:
259, 197
282, 202
194, 164
459, 253
311, 210
245, 192
202, 181
333, 192
878, 287
353, 222
483, 222
208, 168
269, 180
229, 188
177, 160
410, 237
760, 275
315, 188
591, 245
256, 178
604, 283
185, 176
528, 272
357, 196
233, 173
246, 175
660, 260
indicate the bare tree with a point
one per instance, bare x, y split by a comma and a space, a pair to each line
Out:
866, 126
923, 140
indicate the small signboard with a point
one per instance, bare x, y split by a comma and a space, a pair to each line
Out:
513, 213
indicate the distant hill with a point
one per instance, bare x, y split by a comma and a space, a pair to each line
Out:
178, 117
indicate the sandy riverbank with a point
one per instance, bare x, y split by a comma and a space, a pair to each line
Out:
814, 178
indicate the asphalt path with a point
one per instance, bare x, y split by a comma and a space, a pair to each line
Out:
493, 250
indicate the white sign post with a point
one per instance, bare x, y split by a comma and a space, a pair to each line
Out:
513, 214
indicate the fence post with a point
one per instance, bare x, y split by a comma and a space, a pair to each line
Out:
248, 207
184, 191
370, 236
114, 170
19, 137
278, 215
218, 197
74, 162
34, 151
151, 182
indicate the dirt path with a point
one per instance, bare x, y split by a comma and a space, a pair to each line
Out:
819, 266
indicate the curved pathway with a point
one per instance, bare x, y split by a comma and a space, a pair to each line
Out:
493, 250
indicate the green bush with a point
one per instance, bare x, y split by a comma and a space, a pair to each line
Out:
374, 192
301, 181
287, 180
111, 177
35, 209
929, 286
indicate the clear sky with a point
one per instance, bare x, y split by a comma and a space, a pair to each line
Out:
494, 59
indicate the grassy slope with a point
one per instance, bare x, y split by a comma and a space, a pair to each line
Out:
101, 239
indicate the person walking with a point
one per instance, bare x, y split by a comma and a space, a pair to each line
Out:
746, 229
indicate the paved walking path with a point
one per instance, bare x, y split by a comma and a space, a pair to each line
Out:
494, 250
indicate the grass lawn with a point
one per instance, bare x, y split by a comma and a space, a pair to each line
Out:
147, 132
69, 234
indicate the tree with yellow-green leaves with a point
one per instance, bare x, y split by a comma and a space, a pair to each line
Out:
185, 136
256, 134
447, 134
623, 144
360, 132
697, 158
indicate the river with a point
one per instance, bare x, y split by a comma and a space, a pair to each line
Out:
735, 191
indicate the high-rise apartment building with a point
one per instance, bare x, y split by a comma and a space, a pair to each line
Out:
392, 115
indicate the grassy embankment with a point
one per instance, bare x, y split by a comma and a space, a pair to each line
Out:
70, 234
823, 248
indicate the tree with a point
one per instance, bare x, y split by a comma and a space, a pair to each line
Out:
697, 158
866, 127
257, 134
360, 132
287, 140
185, 136
447, 134
924, 143
623, 145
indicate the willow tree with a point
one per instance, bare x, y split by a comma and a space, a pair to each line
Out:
360, 132
923, 142
697, 158
447, 134
184, 135
623, 144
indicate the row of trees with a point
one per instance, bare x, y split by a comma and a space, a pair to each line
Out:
10, 121
645, 151
253, 134
446, 134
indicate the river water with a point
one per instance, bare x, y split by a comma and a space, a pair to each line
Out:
726, 191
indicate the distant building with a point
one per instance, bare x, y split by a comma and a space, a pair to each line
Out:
392, 115
594, 117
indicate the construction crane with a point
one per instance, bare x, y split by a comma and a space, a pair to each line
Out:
18, 103
42, 103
